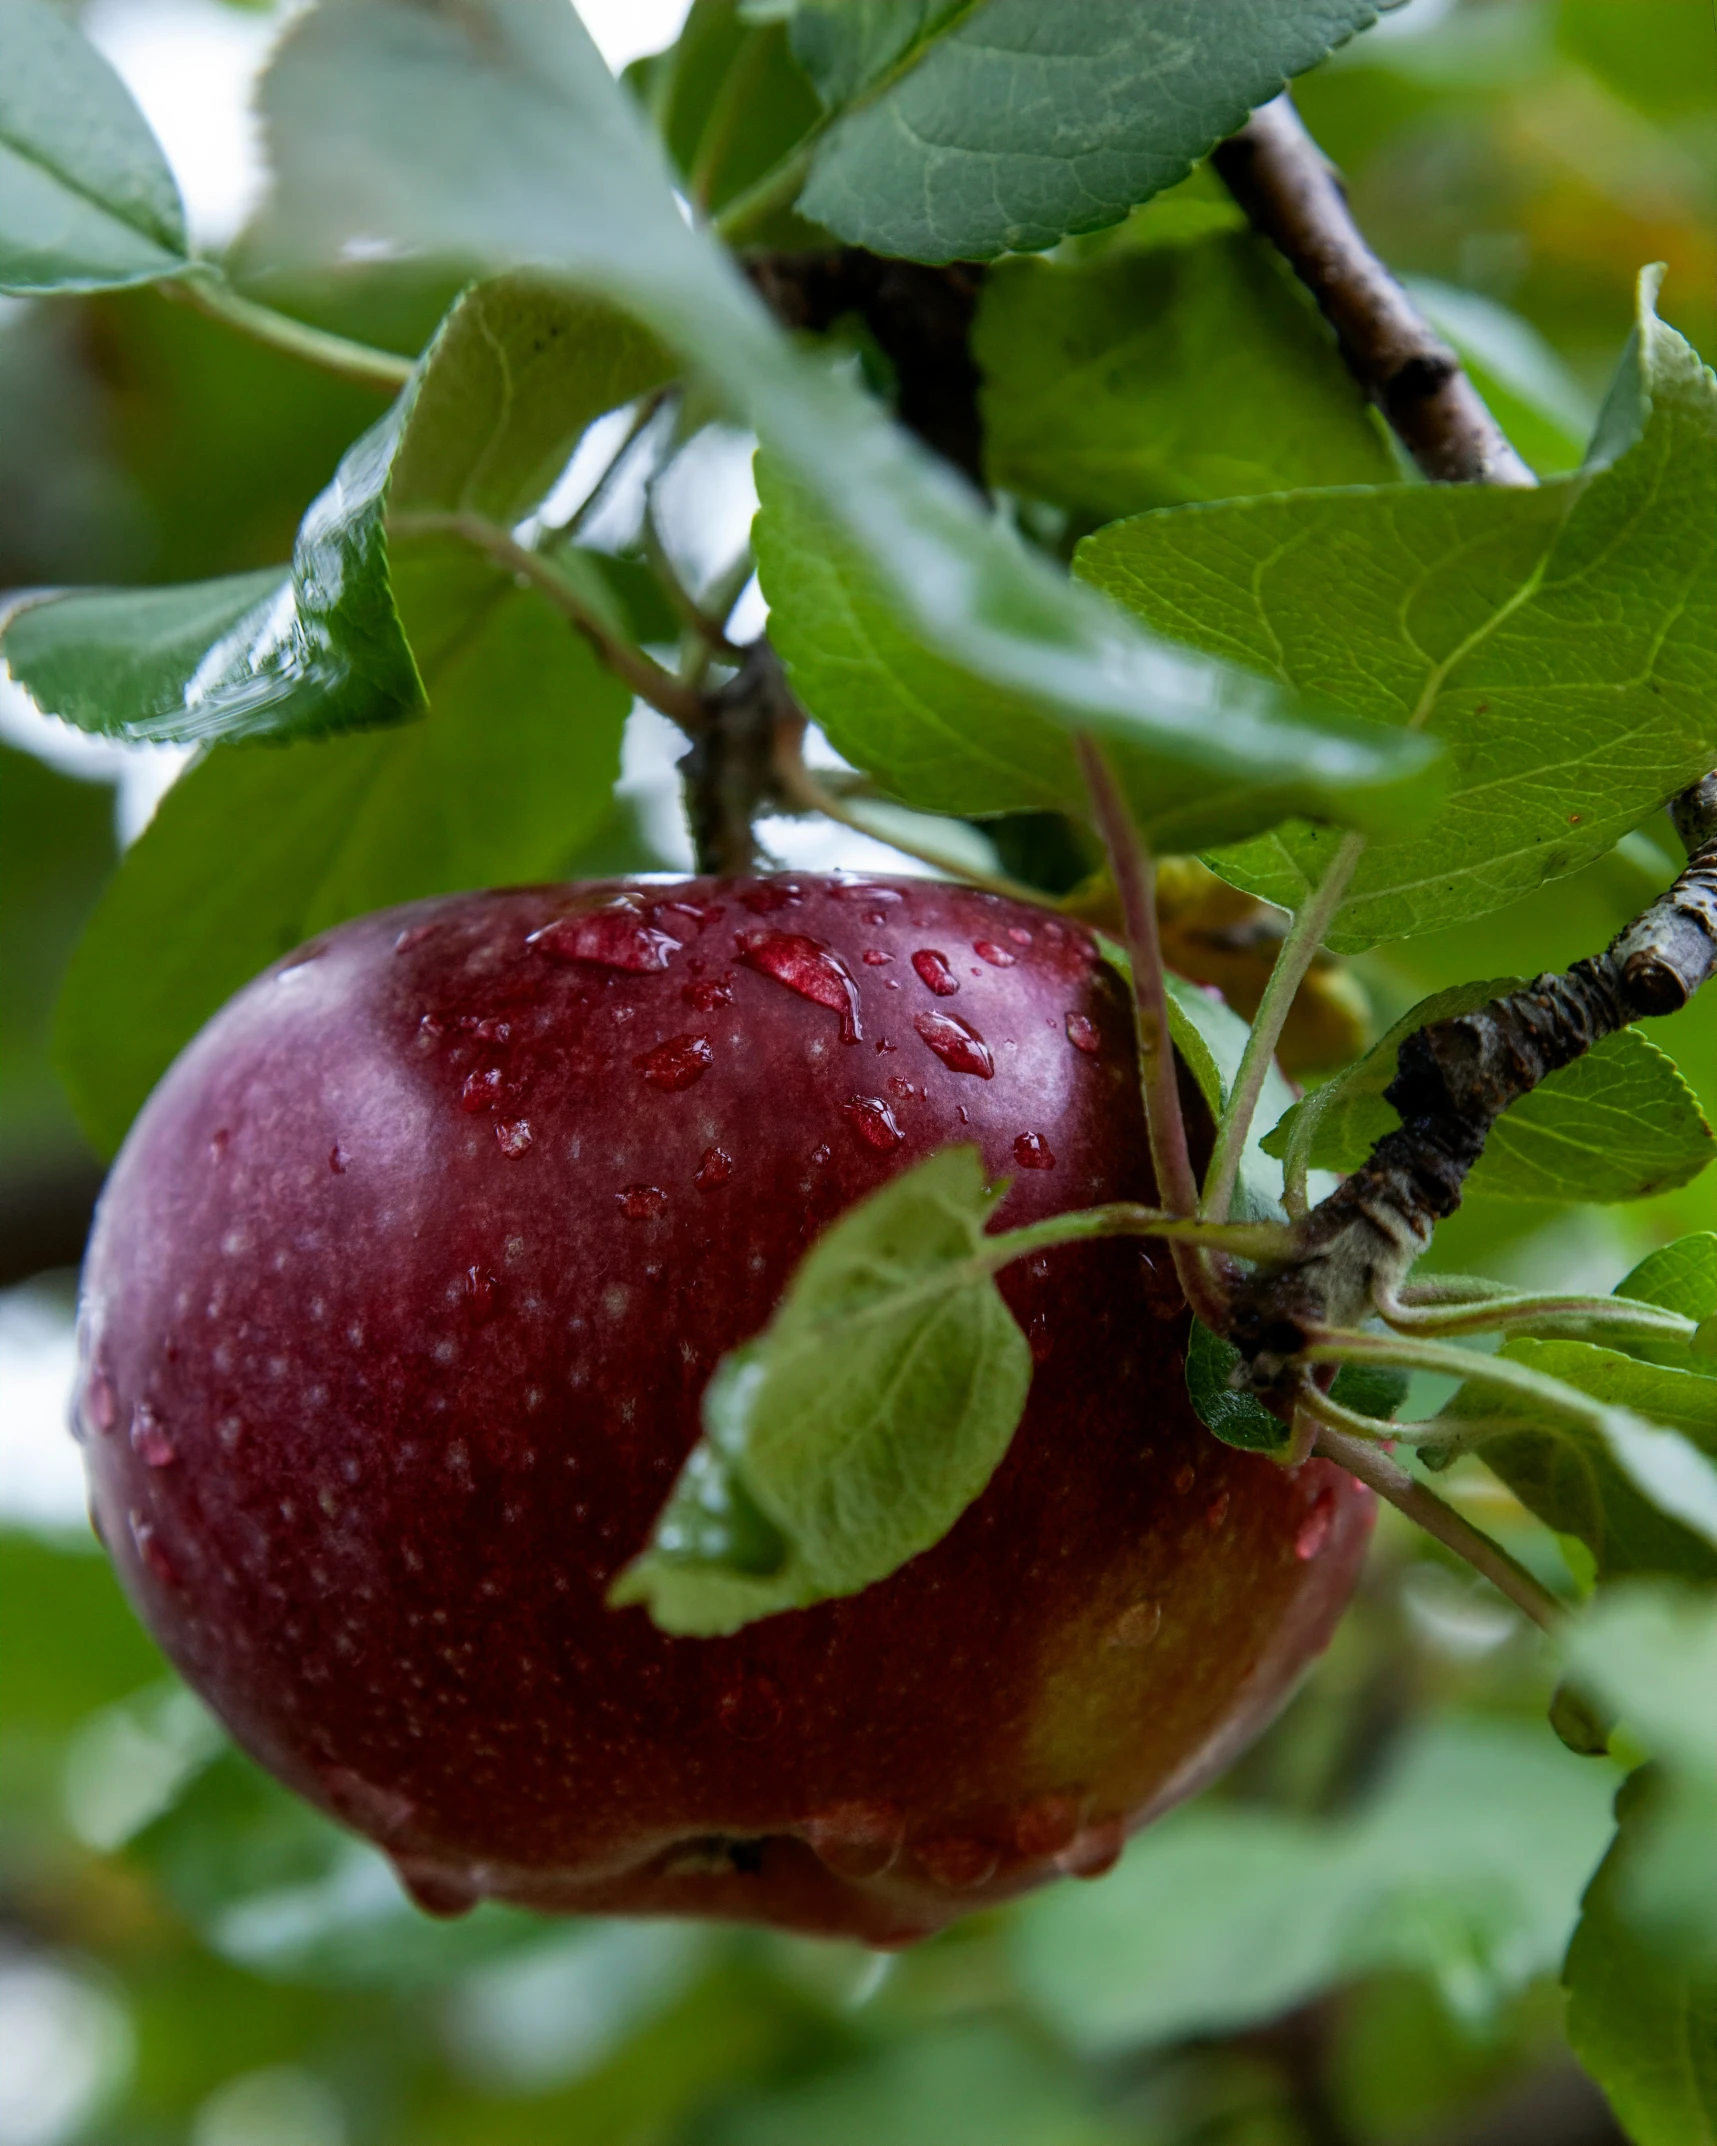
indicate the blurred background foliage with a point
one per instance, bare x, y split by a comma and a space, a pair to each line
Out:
1354, 1940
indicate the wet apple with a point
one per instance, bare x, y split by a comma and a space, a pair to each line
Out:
400, 1303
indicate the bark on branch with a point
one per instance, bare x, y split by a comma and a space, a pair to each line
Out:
1282, 180
1453, 1081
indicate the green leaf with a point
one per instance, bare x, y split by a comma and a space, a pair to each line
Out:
946, 735
1162, 373
858, 1427
496, 137
1618, 1124
1557, 640
1642, 2017
1238, 1419
1680, 1277
1010, 125
1642, 1969
515, 375
1641, 1497
728, 99
1466, 1864
1212, 1037
315, 651
87, 202
258, 847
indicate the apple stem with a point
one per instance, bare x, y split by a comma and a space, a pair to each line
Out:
1294, 957
1135, 881
1364, 1459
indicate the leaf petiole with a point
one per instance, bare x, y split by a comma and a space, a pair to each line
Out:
1532, 1314
1294, 957
205, 287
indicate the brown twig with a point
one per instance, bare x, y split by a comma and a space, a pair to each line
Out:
1453, 1080
1282, 180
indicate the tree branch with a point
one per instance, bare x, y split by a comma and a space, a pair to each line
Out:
1282, 180
1453, 1081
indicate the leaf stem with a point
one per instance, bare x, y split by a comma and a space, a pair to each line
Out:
1522, 1314
206, 288
1366, 1460
806, 793
1125, 1218
1294, 957
653, 684
1171, 1163
749, 212
1332, 1346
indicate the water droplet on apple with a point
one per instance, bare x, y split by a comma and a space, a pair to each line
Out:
99, 1405
1216, 1512
958, 1045
1019, 935
219, 1141
337, 1160
808, 968
149, 1440
1094, 1850
413, 935
617, 936
959, 1862
1032, 1152
481, 1294
873, 957
715, 1168
480, 1089
149, 1549
873, 1121
1185, 1477
772, 894
750, 1708
1048, 1825
514, 1138
1138, 1624
934, 972
1082, 1034
708, 992
863, 891
1314, 1531
638, 1203
677, 1063
998, 957
856, 1840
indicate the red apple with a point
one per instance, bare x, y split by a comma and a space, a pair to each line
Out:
400, 1303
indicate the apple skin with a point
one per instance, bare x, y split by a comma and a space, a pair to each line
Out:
399, 1305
